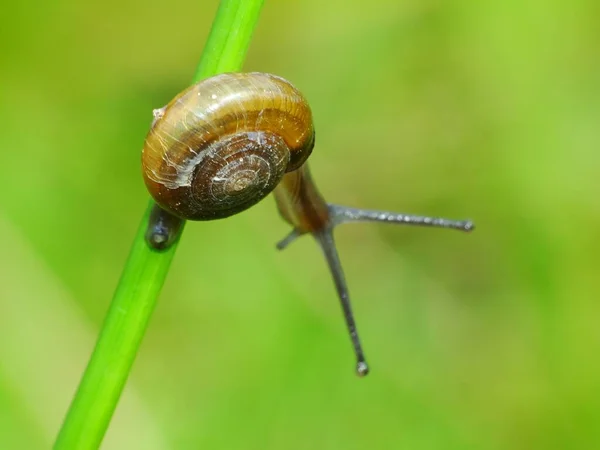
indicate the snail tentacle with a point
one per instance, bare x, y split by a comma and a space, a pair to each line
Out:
326, 241
344, 214
291, 237
339, 215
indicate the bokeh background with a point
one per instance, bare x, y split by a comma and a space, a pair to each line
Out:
486, 110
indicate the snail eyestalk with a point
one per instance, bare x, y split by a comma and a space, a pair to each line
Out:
327, 244
339, 215
344, 214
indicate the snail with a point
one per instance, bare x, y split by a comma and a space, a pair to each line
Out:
224, 144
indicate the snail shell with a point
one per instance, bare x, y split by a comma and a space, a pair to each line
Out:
224, 144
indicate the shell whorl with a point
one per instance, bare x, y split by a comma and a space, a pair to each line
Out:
224, 144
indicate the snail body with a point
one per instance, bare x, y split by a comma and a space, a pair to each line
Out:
223, 144
299, 202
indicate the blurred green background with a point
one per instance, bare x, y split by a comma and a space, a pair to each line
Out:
487, 110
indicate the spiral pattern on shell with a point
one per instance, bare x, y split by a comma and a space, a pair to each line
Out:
224, 144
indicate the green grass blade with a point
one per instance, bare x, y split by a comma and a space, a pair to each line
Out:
145, 269
229, 37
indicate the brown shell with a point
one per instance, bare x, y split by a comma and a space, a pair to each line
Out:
225, 143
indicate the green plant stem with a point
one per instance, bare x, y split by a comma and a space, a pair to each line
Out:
145, 269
